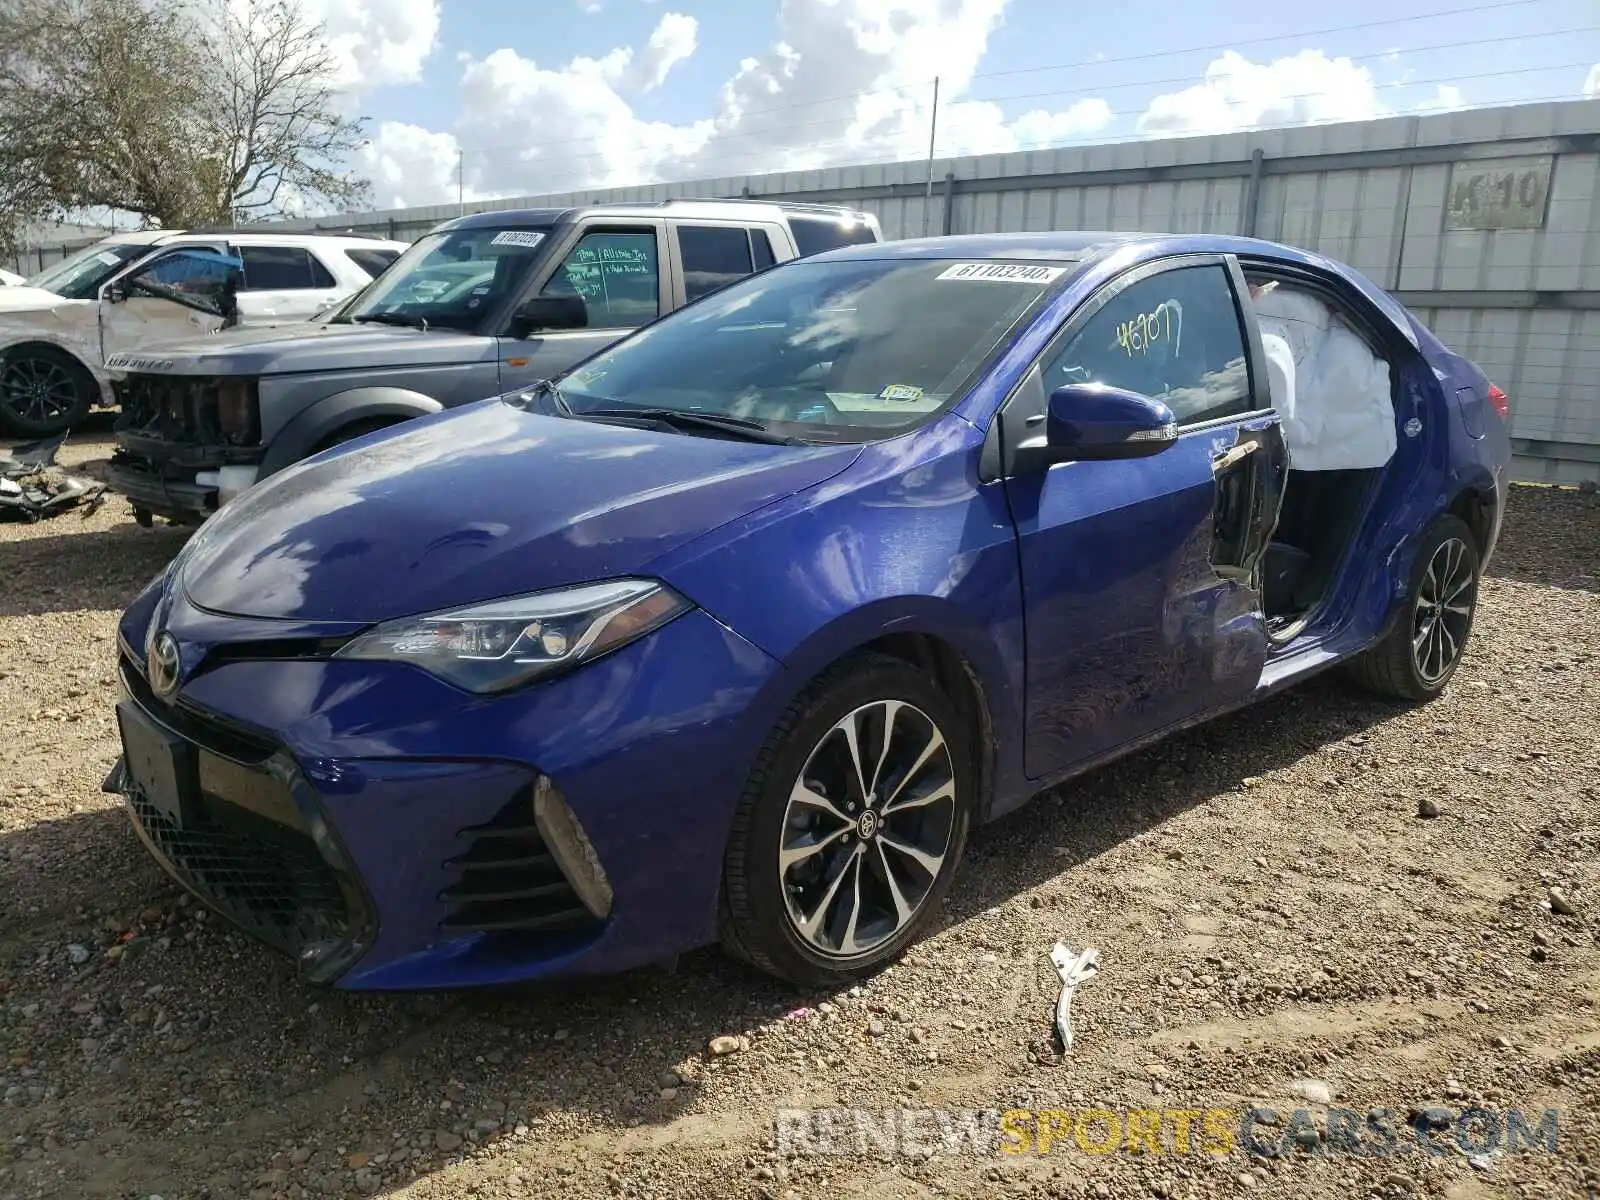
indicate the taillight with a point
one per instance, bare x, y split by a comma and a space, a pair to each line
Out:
1500, 401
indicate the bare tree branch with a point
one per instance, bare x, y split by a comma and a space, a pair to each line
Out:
186, 112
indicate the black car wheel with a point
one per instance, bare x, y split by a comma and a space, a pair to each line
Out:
43, 391
851, 827
1420, 655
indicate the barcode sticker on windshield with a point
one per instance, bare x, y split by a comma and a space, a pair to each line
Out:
516, 237
1003, 273
110, 259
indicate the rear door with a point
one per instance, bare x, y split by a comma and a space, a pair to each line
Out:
1141, 578
709, 255
283, 283
619, 268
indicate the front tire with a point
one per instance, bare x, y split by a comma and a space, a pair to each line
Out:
43, 391
1420, 655
851, 827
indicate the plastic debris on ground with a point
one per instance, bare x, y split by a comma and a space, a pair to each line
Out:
33, 487
1074, 970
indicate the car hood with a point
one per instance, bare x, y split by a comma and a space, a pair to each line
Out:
20, 298
297, 346
483, 502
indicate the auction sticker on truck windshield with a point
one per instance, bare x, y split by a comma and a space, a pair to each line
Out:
1003, 273
517, 237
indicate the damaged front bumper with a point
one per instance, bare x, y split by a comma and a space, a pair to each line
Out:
175, 491
185, 446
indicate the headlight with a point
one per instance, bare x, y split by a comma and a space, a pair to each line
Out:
239, 411
506, 643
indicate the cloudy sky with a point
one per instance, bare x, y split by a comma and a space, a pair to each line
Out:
561, 94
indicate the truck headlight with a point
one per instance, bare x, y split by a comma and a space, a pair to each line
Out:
239, 411
506, 643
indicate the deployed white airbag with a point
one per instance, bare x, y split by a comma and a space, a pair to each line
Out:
1335, 401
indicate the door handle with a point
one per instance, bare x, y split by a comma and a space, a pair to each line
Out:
1238, 454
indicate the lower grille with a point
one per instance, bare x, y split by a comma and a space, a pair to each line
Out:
271, 882
507, 880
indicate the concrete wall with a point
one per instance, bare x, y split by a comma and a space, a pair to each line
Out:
1486, 223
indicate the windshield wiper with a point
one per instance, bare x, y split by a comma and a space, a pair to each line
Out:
393, 318
751, 431
549, 387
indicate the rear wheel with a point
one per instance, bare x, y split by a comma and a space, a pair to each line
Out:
851, 827
1420, 655
43, 391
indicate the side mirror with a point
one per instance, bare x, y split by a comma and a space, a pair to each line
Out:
549, 312
115, 293
1089, 422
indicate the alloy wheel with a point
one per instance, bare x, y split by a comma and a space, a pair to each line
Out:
868, 828
37, 389
1445, 599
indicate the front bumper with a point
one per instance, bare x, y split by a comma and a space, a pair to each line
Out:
179, 500
412, 860
256, 849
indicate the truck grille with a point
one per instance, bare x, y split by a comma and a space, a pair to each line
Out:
182, 408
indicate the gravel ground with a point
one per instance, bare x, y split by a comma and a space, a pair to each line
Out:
1278, 920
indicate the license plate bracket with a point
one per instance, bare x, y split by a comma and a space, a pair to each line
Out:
160, 765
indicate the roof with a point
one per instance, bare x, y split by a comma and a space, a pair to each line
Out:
248, 234
1087, 247
707, 209
140, 237
1071, 246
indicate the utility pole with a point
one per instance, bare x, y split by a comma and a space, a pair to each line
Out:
933, 133
461, 181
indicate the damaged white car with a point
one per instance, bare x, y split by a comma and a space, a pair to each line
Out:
137, 290
11, 279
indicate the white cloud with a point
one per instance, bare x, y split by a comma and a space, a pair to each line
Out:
1302, 89
674, 40
378, 42
1591, 85
846, 81
409, 165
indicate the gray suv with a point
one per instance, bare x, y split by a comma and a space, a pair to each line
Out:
479, 306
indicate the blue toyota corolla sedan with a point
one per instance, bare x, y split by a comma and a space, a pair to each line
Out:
735, 630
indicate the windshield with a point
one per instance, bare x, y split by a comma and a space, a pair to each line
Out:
80, 277
838, 351
449, 279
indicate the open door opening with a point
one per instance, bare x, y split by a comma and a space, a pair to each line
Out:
1250, 476
1335, 389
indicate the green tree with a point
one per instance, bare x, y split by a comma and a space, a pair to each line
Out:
185, 112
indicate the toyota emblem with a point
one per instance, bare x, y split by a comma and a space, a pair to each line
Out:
162, 664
